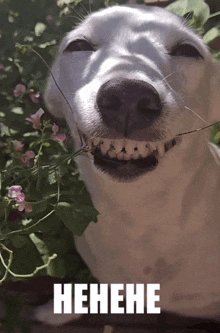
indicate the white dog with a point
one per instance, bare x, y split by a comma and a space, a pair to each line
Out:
136, 77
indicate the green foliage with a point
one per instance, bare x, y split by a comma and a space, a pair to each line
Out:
197, 13
35, 237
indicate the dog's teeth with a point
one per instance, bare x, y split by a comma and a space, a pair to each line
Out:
126, 157
120, 156
161, 150
145, 153
96, 141
142, 148
112, 154
129, 147
152, 146
124, 149
103, 149
118, 144
135, 155
106, 144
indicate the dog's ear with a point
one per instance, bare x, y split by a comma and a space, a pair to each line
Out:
215, 91
53, 96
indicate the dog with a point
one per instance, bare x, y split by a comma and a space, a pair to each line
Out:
137, 82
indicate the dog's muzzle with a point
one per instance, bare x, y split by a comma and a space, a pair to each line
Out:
128, 105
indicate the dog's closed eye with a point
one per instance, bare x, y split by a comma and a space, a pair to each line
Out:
79, 45
185, 50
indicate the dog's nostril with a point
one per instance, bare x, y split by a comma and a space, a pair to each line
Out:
150, 106
108, 101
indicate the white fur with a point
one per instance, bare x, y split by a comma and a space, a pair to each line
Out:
164, 226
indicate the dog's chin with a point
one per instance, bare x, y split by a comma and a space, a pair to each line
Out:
126, 160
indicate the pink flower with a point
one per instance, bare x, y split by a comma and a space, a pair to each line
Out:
18, 145
59, 137
36, 119
25, 206
36, 97
14, 192
19, 90
1, 66
27, 157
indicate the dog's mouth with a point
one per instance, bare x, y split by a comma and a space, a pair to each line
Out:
126, 159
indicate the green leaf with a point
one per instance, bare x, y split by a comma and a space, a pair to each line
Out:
39, 207
211, 35
217, 56
4, 130
49, 225
57, 268
40, 245
179, 7
217, 137
76, 218
44, 45
52, 177
25, 258
199, 9
19, 241
39, 28
23, 48
215, 15
17, 110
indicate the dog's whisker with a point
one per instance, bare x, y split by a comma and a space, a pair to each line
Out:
79, 14
186, 107
165, 78
82, 5
75, 17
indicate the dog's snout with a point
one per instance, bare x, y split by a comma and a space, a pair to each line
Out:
122, 99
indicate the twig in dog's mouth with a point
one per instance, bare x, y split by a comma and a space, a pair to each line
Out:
199, 129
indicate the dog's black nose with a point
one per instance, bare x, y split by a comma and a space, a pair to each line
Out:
125, 103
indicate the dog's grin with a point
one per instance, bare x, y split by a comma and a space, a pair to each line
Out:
126, 159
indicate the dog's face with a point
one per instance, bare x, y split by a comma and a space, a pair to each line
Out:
135, 78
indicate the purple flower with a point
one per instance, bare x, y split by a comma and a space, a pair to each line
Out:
15, 192
25, 206
19, 90
18, 145
56, 136
27, 158
36, 97
36, 119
